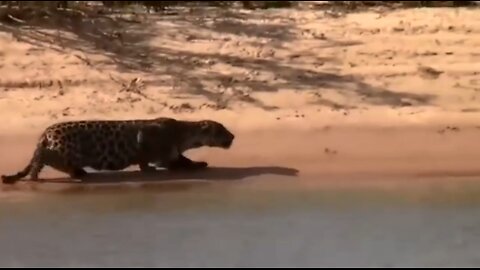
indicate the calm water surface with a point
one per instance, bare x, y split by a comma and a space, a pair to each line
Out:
211, 226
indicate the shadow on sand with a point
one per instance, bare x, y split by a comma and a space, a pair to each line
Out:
212, 173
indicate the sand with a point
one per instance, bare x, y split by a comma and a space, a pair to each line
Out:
377, 98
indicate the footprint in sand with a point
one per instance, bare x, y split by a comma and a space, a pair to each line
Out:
329, 151
448, 128
429, 72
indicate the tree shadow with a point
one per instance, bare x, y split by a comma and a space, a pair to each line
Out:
135, 46
209, 174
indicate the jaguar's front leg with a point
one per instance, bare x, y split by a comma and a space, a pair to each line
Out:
184, 163
144, 167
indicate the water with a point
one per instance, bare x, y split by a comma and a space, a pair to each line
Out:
225, 227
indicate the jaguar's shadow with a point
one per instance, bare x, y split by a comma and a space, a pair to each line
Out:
211, 173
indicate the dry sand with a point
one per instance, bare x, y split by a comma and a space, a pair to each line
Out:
383, 97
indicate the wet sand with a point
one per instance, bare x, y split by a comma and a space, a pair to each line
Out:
336, 156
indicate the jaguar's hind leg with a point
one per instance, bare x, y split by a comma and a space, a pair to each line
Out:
67, 165
47, 157
78, 173
37, 167
73, 172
